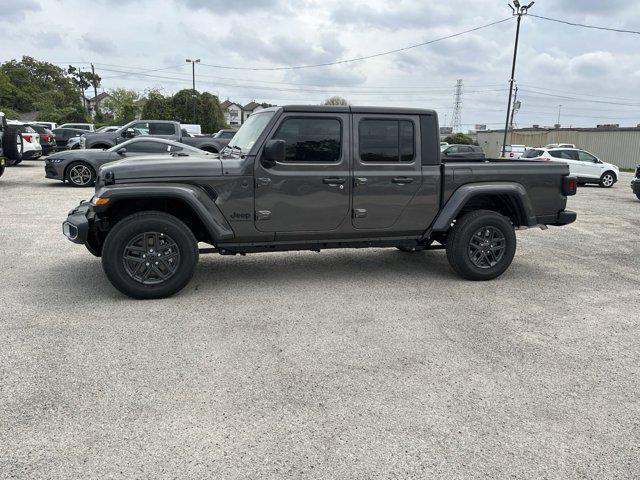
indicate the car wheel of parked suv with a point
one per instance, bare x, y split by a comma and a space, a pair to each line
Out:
607, 180
80, 174
150, 255
481, 245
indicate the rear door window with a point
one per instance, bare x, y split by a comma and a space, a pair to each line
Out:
386, 141
533, 153
161, 129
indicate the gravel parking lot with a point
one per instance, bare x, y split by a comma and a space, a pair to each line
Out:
348, 364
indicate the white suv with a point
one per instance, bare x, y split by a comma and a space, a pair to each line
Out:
586, 167
30, 140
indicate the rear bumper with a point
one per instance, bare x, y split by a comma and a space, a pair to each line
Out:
76, 226
635, 186
565, 217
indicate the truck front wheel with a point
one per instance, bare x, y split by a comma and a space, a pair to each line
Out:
481, 245
150, 255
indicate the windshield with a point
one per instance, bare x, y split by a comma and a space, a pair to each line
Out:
250, 131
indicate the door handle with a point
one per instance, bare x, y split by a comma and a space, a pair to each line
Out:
402, 180
357, 181
333, 181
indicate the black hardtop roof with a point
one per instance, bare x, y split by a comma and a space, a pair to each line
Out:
355, 109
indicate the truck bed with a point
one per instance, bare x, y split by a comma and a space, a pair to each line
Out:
542, 180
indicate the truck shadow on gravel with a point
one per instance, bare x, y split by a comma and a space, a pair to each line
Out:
220, 275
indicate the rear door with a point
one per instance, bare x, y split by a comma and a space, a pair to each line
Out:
164, 130
309, 191
386, 168
570, 157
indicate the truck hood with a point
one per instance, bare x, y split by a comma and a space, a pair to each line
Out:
154, 167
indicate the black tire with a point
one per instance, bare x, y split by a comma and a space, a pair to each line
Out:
638, 195
468, 237
80, 174
13, 144
123, 273
608, 179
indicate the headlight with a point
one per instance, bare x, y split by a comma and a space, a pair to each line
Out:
54, 160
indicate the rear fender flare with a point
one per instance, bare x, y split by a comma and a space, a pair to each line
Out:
201, 203
462, 195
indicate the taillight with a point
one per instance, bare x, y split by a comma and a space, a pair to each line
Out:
27, 138
46, 138
569, 186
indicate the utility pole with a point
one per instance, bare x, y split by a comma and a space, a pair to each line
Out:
518, 11
95, 89
193, 71
558, 123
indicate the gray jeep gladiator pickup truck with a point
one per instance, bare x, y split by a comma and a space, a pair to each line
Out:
154, 128
311, 178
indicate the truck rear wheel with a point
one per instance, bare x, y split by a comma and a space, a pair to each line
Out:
481, 245
150, 255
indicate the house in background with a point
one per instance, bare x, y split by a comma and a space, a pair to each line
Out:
252, 107
232, 113
94, 105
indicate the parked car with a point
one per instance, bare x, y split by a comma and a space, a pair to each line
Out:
30, 139
80, 167
87, 127
586, 167
50, 125
153, 128
63, 135
312, 178
47, 138
225, 134
514, 151
462, 152
635, 183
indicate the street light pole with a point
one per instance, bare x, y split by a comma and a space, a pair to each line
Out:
193, 72
518, 10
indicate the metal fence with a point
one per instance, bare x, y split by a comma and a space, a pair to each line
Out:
618, 146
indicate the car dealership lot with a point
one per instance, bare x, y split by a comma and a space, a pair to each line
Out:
343, 364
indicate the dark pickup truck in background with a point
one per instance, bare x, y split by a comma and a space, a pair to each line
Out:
155, 128
312, 178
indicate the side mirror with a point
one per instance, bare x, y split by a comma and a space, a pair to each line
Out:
122, 151
274, 151
129, 133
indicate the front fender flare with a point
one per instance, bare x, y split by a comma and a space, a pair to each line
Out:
195, 197
462, 195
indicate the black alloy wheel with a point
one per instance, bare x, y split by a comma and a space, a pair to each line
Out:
487, 247
151, 258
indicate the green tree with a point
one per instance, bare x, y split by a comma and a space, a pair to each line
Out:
156, 106
182, 106
210, 116
336, 100
459, 139
124, 104
29, 84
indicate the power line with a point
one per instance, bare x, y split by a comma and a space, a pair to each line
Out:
573, 24
365, 57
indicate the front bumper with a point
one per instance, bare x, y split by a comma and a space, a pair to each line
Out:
635, 186
76, 226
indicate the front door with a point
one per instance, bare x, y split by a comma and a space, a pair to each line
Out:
309, 191
386, 168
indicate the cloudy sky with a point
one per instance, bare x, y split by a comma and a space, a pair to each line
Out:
140, 44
